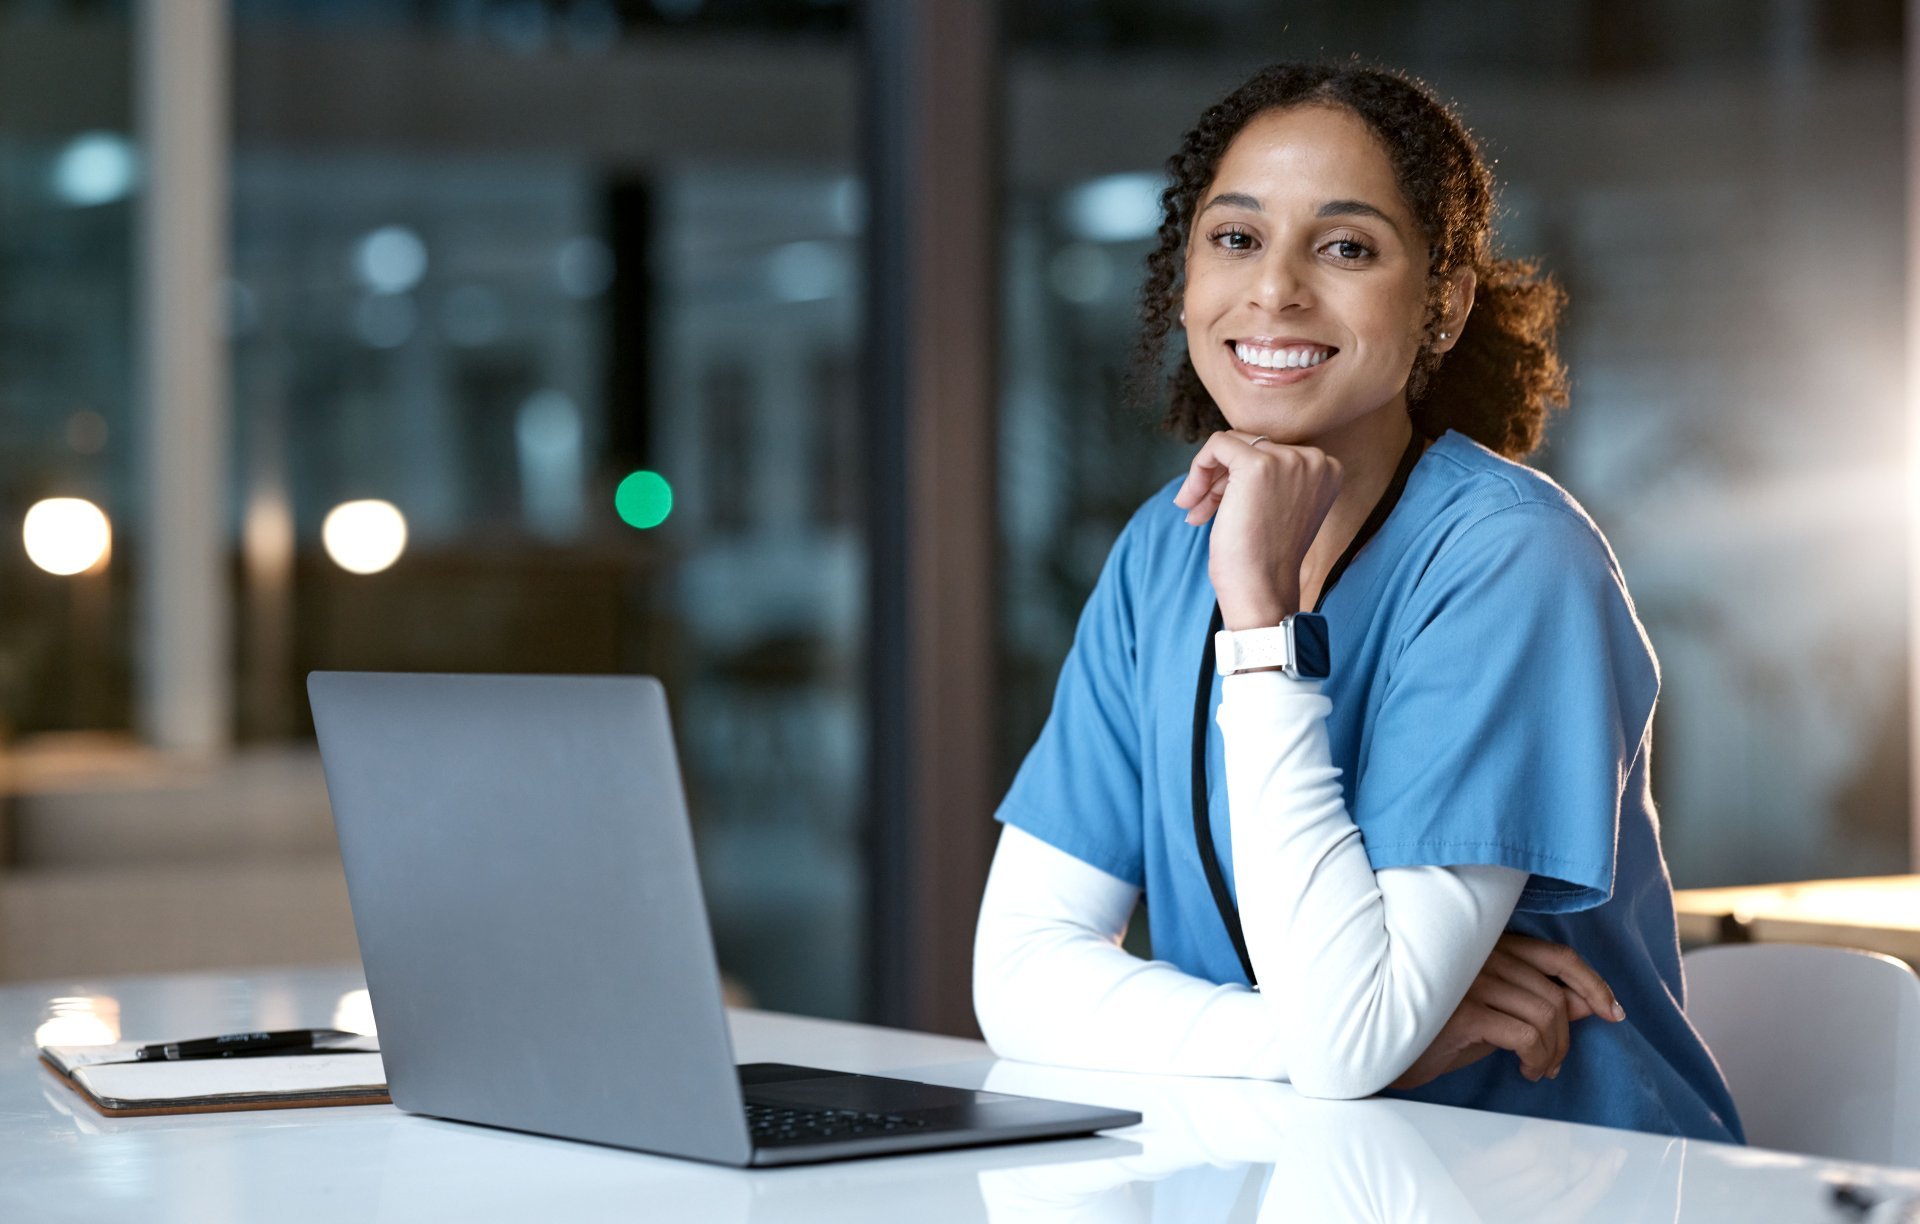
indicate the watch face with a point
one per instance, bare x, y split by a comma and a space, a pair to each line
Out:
1312, 656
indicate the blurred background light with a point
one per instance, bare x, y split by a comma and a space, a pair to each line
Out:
584, 266
807, 271
364, 537
391, 259
644, 499
94, 168
549, 436
849, 206
1116, 208
66, 535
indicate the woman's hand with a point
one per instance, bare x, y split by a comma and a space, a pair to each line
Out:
1516, 1004
1267, 502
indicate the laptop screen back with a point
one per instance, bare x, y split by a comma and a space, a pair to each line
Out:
529, 913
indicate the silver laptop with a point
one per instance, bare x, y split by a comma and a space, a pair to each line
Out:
536, 947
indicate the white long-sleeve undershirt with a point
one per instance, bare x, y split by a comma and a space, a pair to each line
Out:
1358, 969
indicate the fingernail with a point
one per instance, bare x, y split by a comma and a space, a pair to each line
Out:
1554, 1074
1619, 1012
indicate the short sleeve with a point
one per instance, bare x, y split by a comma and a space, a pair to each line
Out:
1513, 712
1079, 787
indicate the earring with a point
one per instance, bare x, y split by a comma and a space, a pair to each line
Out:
1443, 335
1183, 316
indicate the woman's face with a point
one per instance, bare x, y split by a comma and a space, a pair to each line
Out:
1305, 281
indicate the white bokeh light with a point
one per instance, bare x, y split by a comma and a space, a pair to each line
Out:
391, 259
364, 537
94, 168
66, 535
1116, 208
807, 271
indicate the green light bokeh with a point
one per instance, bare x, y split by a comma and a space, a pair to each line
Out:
643, 500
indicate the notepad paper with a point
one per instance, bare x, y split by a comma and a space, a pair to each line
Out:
215, 1083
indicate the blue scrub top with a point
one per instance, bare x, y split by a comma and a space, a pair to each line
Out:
1492, 697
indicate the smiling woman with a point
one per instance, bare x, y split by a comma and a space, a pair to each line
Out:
1425, 228
1407, 794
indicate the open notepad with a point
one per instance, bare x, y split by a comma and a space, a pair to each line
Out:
108, 1080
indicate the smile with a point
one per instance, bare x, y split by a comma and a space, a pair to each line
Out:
1291, 357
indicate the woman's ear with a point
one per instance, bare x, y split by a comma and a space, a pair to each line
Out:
1460, 287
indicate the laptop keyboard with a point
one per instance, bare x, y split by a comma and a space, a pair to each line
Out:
774, 1124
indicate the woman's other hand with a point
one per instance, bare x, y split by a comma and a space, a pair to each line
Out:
1267, 502
1524, 999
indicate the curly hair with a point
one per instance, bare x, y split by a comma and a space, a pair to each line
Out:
1503, 375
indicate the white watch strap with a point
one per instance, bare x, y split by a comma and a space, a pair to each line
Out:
1238, 650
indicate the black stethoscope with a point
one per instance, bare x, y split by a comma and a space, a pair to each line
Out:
1202, 824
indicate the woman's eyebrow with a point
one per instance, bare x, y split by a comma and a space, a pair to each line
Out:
1232, 199
1332, 208
1354, 208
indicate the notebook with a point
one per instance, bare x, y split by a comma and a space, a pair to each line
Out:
106, 1078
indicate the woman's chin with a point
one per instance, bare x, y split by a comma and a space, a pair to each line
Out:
1287, 428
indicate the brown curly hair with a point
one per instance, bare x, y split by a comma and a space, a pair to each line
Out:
1502, 376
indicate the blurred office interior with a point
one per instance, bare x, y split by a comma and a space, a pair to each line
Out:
773, 347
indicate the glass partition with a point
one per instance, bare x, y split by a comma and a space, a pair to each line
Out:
69, 174
538, 278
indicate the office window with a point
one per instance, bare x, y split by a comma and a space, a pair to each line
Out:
69, 170
575, 288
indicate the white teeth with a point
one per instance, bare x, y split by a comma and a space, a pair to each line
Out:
1292, 358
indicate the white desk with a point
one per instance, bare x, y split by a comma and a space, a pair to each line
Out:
1210, 1150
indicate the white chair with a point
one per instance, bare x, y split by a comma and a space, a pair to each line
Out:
1820, 1045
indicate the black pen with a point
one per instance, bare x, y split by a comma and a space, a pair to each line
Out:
242, 1045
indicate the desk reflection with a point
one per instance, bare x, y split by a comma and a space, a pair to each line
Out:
1221, 1150
1209, 1152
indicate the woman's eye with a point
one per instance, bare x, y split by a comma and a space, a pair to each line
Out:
1350, 249
1234, 240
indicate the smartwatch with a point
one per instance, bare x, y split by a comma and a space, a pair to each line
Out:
1297, 646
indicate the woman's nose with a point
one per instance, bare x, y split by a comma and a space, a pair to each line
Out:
1280, 283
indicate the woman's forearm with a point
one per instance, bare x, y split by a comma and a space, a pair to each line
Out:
1362, 968
1051, 983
